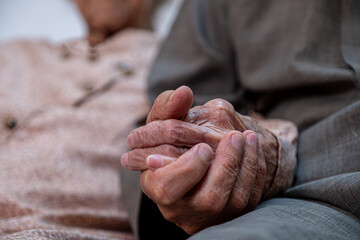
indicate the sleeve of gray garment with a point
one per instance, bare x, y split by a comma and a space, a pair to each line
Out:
198, 53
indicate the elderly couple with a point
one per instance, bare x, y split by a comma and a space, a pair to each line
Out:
264, 141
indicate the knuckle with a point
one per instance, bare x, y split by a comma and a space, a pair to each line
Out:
133, 159
137, 137
221, 103
240, 200
169, 215
173, 130
160, 195
212, 203
221, 111
229, 164
251, 165
220, 115
189, 229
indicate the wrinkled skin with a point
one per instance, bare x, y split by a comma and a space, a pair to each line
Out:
201, 166
106, 17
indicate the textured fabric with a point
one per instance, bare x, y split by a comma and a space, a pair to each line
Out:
279, 57
293, 60
65, 114
283, 219
328, 161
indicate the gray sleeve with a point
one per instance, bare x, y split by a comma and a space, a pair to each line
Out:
198, 53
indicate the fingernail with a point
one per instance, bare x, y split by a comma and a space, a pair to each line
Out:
124, 159
236, 140
204, 152
154, 162
251, 139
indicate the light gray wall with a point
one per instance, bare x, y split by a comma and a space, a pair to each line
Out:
54, 20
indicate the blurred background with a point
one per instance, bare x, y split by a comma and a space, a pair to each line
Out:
66, 108
61, 20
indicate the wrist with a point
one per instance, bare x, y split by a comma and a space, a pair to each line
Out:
278, 140
285, 170
286, 134
271, 147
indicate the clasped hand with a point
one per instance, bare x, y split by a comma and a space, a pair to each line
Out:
202, 166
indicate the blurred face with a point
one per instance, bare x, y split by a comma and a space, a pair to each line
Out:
106, 17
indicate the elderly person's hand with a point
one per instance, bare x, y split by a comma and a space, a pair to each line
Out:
200, 188
106, 17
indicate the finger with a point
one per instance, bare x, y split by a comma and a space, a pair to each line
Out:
217, 186
156, 161
259, 182
247, 173
215, 114
174, 132
221, 104
136, 160
171, 104
170, 183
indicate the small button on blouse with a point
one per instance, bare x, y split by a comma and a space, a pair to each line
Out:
11, 123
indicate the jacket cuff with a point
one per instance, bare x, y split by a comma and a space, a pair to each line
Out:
285, 171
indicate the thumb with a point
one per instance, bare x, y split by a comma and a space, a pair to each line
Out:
171, 104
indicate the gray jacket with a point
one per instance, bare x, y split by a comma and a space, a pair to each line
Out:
294, 60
